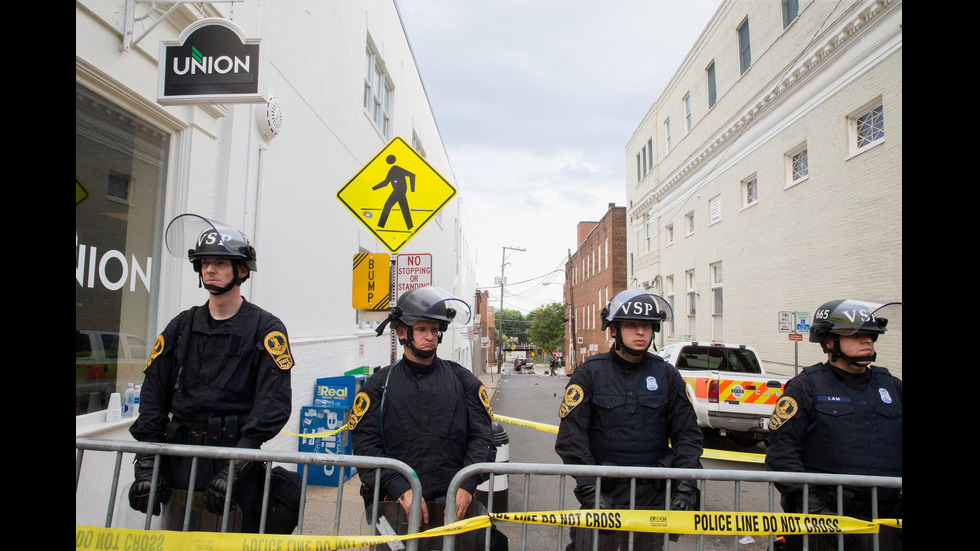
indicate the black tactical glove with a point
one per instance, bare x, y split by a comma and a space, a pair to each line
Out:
816, 506
585, 494
685, 496
214, 495
139, 492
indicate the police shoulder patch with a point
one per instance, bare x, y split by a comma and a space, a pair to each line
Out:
361, 404
158, 347
277, 345
785, 409
485, 399
573, 396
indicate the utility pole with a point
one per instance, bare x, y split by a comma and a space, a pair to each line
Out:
500, 315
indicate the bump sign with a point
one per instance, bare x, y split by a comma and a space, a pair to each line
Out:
372, 281
396, 194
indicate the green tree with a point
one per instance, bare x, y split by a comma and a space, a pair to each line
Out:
548, 327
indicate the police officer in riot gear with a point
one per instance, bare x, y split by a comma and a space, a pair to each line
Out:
629, 407
433, 414
842, 416
218, 375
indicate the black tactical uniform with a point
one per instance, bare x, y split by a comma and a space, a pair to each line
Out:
834, 421
619, 413
435, 418
219, 383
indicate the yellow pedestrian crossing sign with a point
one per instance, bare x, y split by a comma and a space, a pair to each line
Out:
395, 194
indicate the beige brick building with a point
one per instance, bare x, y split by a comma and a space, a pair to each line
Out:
767, 177
594, 273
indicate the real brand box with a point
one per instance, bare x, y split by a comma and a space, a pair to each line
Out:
337, 392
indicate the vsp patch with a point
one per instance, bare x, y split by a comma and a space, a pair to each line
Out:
277, 345
485, 398
361, 404
785, 409
158, 347
573, 395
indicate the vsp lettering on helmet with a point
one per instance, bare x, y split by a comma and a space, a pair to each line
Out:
211, 239
846, 317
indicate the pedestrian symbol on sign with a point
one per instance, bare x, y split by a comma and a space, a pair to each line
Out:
406, 172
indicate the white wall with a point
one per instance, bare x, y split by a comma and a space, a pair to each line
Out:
282, 192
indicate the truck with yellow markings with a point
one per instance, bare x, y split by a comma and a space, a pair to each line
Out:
729, 387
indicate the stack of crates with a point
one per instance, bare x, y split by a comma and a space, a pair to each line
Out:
332, 401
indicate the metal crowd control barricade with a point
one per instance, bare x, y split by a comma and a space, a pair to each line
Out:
702, 476
119, 447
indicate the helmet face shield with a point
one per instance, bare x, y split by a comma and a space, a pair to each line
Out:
432, 303
198, 237
636, 305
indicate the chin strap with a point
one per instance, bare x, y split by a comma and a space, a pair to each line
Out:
836, 353
236, 280
619, 345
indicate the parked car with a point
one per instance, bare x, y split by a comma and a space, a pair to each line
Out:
519, 364
729, 387
105, 362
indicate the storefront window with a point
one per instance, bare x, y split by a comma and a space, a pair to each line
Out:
120, 175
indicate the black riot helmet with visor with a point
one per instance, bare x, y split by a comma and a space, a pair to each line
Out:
849, 317
430, 304
200, 238
635, 305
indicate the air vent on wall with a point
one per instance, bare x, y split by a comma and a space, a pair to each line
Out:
270, 118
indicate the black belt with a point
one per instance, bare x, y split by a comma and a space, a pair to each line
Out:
216, 431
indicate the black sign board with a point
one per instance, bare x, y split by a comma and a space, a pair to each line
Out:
211, 62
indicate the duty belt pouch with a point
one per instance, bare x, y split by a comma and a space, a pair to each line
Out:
214, 431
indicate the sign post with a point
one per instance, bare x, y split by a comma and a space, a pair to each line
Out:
796, 324
393, 196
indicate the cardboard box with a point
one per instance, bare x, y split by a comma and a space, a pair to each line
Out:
337, 392
315, 420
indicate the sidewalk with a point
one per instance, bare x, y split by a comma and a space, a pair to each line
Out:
321, 501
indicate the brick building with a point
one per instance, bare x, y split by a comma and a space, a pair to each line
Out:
594, 273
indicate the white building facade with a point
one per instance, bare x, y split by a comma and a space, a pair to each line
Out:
767, 177
340, 83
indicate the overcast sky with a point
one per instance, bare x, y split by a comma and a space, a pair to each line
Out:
535, 101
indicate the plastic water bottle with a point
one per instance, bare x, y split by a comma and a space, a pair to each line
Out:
128, 401
136, 400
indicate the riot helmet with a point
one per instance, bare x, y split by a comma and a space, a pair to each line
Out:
203, 238
847, 317
635, 305
426, 303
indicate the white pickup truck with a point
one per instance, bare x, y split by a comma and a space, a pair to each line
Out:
729, 387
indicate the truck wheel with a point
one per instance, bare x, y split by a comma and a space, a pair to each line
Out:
745, 441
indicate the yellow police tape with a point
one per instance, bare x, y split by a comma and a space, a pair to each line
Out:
721, 455
675, 522
317, 434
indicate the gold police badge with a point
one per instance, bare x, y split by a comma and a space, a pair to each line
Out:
785, 409
158, 346
573, 395
277, 345
485, 398
361, 404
